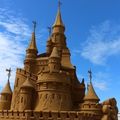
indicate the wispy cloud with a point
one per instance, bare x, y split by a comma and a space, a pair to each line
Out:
101, 80
13, 34
14, 37
102, 43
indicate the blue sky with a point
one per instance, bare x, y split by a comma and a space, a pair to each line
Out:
92, 31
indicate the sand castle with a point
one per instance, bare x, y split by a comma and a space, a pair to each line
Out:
47, 88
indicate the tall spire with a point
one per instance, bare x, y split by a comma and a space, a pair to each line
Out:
58, 21
32, 44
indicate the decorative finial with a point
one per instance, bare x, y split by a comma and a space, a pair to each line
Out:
9, 73
90, 75
59, 4
50, 30
34, 25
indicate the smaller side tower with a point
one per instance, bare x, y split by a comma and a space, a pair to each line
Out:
26, 95
54, 61
6, 96
91, 100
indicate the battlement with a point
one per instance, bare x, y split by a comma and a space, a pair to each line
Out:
25, 73
88, 106
46, 115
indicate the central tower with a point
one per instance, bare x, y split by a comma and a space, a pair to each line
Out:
54, 87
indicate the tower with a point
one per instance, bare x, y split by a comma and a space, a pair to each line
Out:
91, 100
26, 95
31, 53
6, 96
58, 39
54, 86
58, 30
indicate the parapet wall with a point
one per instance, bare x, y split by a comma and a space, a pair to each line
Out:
46, 115
25, 73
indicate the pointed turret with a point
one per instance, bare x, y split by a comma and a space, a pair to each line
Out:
58, 25
91, 94
58, 20
91, 100
54, 61
32, 48
7, 89
31, 53
5, 98
54, 53
32, 45
27, 84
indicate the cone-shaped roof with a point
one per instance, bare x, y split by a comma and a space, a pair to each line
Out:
55, 53
58, 20
7, 89
27, 84
91, 94
32, 44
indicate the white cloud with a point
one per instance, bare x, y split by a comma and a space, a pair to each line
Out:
102, 43
13, 35
101, 81
100, 85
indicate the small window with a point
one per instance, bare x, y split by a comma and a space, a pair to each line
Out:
22, 100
